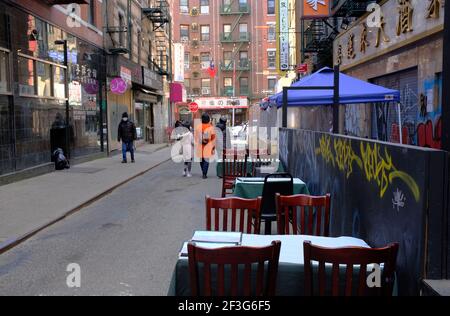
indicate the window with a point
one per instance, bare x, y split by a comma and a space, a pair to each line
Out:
228, 86
243, 59
4, 72
243, 85
184, 6
206, 86
139, 49
184, 33
271, 84
271, 35
228, 58
243, 29
272, 59
270, 6
187, 85
227, 31
243, 4
204, 33
59, 82
91, 13
26, 76
44, 82
121, 33
186, 61
205, 60
204, 6
228, 82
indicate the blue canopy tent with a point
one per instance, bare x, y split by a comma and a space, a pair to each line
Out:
308, 91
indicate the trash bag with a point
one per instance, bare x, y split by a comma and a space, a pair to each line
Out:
60, 160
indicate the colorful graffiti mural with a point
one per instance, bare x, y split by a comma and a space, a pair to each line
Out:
429, 128
375, 163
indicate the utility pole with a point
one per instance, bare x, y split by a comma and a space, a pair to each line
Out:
446, 82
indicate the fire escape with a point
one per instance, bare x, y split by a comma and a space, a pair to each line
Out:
238, 9
159, 15
319, 34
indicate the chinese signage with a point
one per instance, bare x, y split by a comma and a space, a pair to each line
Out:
125, 74
316, 8
178, 62
388, 27
283, 34
152, 79
222, 103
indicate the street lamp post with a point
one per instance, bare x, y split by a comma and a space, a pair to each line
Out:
66, 92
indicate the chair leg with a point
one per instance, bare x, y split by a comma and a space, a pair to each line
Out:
268, 227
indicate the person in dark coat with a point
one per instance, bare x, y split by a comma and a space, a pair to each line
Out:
127, 134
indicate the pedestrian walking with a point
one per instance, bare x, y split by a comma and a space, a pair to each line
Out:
187, 145
127, 134
205, 137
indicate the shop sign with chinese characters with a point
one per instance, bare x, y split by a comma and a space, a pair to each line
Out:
387, 27
222, 103
283, 35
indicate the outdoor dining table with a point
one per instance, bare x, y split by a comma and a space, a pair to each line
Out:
290, 280
250, 188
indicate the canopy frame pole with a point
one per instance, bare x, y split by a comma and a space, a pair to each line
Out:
335, 88
400, 127
336, 100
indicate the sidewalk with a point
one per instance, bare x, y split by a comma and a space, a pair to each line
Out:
30, 205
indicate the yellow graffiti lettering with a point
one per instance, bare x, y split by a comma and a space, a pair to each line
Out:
345, 156
377, 167
324, 150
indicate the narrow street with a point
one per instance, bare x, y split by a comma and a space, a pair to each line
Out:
126, 243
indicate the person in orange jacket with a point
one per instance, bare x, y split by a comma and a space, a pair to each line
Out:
205, 137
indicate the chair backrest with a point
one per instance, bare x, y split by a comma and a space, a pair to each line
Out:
227, 261
234, 164
233, 214
259, 159
356, 261
282, 183
303, 215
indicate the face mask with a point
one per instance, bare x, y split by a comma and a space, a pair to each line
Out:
125, 119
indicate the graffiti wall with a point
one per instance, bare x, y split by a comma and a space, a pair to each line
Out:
380, 192
429, 129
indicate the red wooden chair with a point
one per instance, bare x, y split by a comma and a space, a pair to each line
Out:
245, 215
233, 257
349, 257
314, 213
234, 166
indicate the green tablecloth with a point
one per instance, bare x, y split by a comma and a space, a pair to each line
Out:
290, 281
219, 168
254, 188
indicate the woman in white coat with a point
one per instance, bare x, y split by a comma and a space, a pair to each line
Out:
187, 147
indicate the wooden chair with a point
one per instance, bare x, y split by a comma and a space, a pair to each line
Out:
349, 257
245, 215
234, 165
282, 183
233, 257
313, 214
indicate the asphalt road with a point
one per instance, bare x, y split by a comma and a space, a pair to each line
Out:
125, 244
